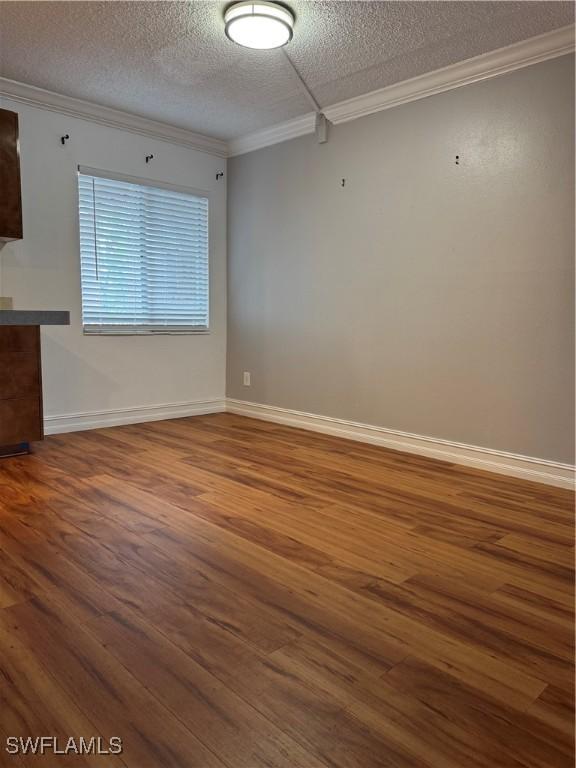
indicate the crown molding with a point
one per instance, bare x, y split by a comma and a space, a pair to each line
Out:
291, 129
113, 118
532, 51
550, 45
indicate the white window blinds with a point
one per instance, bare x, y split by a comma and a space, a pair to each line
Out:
144, 257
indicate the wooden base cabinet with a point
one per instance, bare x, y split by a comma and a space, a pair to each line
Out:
21, 417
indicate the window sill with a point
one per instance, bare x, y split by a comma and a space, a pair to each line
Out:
132, 332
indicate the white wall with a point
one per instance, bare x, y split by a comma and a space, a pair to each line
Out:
423, 296
87, 373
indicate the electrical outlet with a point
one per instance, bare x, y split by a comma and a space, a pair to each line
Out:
246, 379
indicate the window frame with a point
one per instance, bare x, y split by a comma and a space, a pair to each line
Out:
145, 330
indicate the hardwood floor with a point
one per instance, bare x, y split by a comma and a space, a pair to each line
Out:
219, 591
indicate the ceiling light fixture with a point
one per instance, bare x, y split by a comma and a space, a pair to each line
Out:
259, 25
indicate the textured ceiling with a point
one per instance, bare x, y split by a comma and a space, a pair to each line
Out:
171, 61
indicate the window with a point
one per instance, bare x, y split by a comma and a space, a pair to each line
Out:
144, 256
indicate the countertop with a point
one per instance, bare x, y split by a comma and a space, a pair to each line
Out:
34, 317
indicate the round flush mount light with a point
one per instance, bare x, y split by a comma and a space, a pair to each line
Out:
259, 25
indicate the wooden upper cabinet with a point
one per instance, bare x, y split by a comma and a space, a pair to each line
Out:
10, 199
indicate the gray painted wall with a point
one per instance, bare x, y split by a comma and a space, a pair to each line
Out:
423, 296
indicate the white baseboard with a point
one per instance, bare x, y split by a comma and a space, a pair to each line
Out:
76, 422
524, 467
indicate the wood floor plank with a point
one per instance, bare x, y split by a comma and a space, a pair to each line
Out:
103, 689
225, 592
390, 634
33, 702
524, 737
216, 715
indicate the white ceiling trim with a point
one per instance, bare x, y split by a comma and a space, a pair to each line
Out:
114, 118
547, 46
550, 45
290, 129
559, 42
